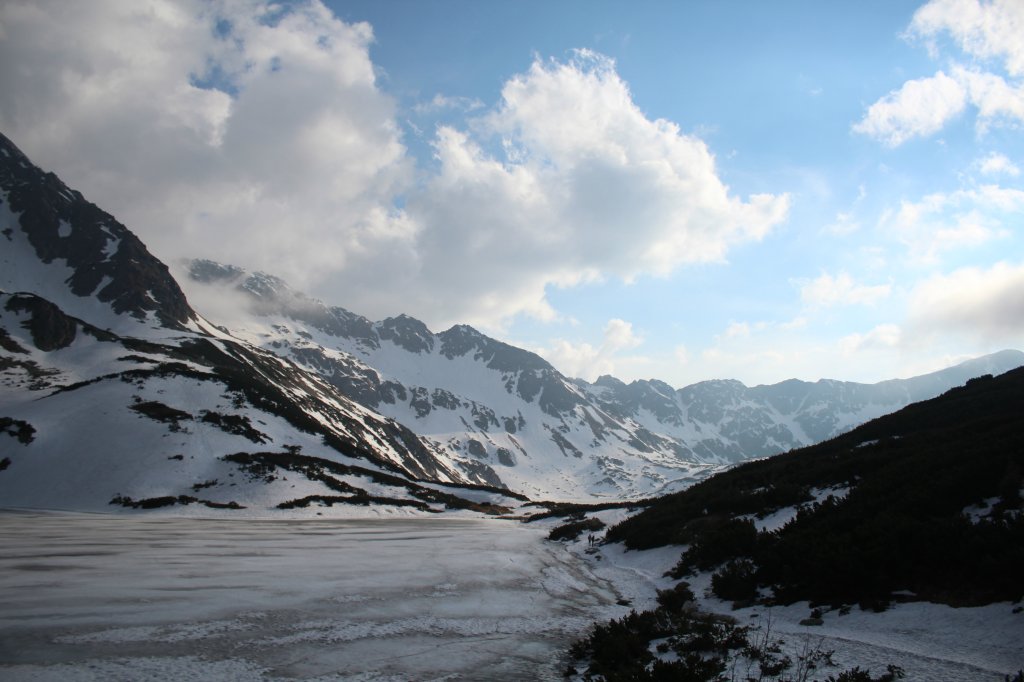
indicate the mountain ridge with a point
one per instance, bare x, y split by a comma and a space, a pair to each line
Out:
619, 440
113, 390
101, 353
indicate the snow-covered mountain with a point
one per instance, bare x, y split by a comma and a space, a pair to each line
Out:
506, 417
112, 388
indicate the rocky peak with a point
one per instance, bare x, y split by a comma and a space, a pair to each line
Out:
212, 272
406, 332
106, 260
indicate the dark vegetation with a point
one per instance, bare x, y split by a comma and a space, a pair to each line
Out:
155, 409
265, 464
577, 509
236, 424
573, 529
170, 501
901, 527
677, 642
360, 498
18, 429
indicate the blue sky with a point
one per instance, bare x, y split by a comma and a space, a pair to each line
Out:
681, 191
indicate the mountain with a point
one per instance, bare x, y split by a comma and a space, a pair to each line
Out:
506, 417
114, 390
925, 503
112, 387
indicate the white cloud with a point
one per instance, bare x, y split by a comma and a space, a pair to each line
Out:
236, 129
828, 290
588, 187
844, 224
587, 361
737, 330
618, 335
919, 108
884, 336
256, 133
987, 30
997, 101
444, 103
985, 303
997, 164
942, 222
989, 34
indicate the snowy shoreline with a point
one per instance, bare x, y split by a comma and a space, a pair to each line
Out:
929, 641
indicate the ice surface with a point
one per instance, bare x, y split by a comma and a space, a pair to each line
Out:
98, 597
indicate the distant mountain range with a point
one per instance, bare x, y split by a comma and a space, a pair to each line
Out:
113, 388
506, 417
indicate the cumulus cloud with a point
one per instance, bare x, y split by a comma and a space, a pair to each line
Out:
997, 100
997, 164
985, 303
919, 108
566, 181
236, 129
987, 30
444, 103
257, 133
988, 35
941, 222
884, 336
587, 361
828, 290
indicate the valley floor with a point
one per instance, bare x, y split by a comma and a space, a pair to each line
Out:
117, 597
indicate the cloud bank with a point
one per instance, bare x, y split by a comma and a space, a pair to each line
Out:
258, 134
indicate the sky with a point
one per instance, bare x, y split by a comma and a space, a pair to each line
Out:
669, 190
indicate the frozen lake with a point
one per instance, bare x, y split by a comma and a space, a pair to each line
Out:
96, 597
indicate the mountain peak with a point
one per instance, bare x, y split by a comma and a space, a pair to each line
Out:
210, 272
407, 333
105, 261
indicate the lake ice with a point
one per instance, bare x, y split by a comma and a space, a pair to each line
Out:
128, 597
